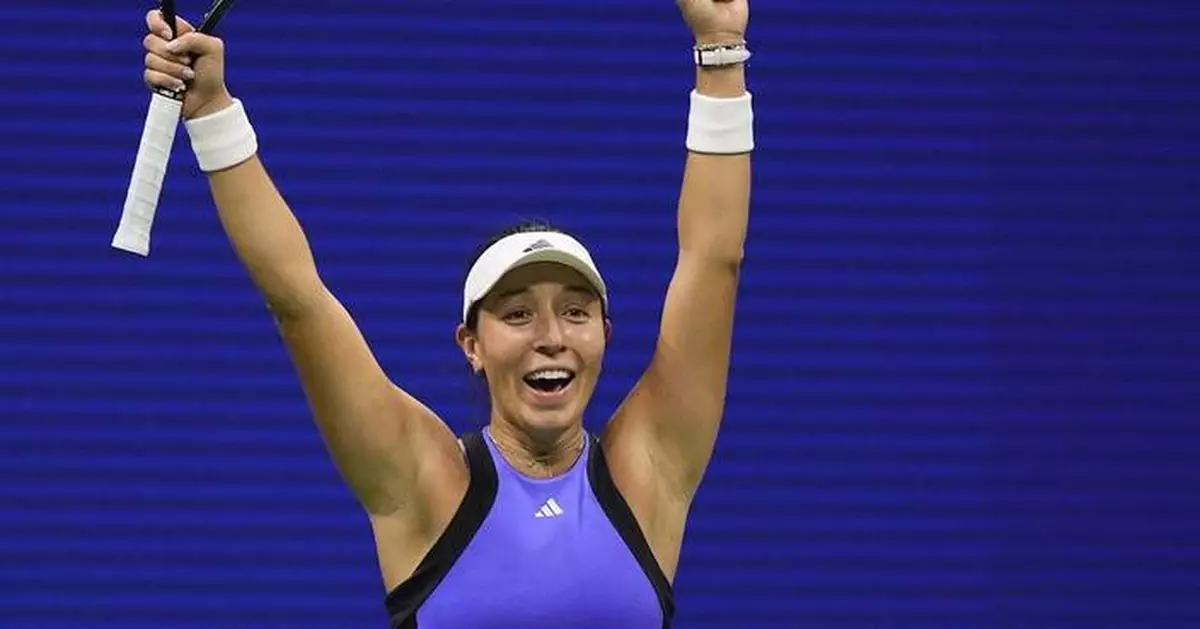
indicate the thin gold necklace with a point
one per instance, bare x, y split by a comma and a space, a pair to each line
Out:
535, 465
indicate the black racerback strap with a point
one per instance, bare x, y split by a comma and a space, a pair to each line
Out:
403, 601
622, 519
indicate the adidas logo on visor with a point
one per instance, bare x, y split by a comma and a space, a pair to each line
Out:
541, 244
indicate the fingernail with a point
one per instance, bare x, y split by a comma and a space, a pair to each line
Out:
189, 73
173, 45
185, 60
180, 86
166, 33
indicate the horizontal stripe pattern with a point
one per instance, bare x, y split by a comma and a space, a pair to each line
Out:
963, 389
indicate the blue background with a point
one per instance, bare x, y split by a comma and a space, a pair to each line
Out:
964, 387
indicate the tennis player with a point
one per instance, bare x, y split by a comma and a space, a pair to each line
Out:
531, 521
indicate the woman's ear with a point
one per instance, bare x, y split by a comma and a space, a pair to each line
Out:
607, 330
469, 344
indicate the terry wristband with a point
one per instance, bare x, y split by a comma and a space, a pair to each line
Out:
720, 126
223, 139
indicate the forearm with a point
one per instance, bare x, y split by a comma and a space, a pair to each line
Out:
266, 236
260, 226
715, 200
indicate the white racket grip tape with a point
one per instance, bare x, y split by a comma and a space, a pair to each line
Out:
149, 169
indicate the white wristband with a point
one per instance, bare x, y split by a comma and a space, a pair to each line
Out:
721, 126
223, 139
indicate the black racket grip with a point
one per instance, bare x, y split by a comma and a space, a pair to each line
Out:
166, 8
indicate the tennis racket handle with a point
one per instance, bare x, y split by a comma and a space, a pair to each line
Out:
149, 169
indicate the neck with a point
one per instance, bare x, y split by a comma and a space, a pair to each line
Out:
538, 456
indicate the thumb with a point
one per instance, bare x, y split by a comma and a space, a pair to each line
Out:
183, 27
156, 24
195, 44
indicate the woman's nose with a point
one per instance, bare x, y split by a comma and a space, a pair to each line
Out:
550, 335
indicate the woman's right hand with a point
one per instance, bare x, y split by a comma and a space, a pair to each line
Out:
192, 62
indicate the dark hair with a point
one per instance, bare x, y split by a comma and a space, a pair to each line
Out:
524, 227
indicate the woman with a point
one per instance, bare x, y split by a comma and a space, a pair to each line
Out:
531, 519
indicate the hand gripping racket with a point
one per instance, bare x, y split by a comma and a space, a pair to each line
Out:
154, 150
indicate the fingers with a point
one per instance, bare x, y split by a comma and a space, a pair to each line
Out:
161, 72
192, 61
155, 78
158, 26
164, 68
157, 46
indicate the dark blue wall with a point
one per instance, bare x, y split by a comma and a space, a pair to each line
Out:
965, 379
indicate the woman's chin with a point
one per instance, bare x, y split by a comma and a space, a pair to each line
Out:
548, 421
549, 412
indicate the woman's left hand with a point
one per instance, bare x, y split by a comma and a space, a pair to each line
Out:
716, 21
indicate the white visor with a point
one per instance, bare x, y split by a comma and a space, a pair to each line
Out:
517, 250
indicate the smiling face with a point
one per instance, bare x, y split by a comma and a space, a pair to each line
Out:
540, 342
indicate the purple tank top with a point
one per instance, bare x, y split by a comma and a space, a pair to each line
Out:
523, 552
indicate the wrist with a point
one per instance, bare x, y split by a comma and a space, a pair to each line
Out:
222, 101
719, 37
720, 58
721, 82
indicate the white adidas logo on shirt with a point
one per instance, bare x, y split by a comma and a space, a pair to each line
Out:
549, 510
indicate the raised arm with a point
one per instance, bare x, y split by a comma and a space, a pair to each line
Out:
372, 429
671, 418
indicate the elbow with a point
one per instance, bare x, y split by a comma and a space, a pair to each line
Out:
727, 259
732, 259
714, 245
293, 301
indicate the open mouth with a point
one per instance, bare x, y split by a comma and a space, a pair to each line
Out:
549, 380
